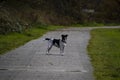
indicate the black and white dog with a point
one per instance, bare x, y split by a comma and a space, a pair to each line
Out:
59, 43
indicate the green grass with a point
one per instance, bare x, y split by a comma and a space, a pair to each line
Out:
14, 40
104, 50
95, 24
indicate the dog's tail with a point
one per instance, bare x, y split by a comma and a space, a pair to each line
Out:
47, 39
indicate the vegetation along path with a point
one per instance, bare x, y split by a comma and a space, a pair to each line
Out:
30, 62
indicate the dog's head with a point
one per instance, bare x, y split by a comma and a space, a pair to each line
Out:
64, 37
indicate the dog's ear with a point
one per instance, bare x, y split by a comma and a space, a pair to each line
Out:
66, 35
62, 35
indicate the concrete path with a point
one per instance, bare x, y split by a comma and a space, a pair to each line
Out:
30, 62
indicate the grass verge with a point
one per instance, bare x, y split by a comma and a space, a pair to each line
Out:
95, 24
13, 40
104, 50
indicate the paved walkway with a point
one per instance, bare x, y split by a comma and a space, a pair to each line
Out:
29, 62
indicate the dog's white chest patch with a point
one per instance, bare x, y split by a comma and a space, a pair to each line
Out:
65, 44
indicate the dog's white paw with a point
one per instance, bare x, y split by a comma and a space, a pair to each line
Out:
47, 53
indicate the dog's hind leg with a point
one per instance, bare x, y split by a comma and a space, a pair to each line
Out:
48, 50
50, 44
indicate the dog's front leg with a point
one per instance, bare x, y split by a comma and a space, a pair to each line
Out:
62, 50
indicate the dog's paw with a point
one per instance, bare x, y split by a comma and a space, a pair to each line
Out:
47, 53
62, 54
